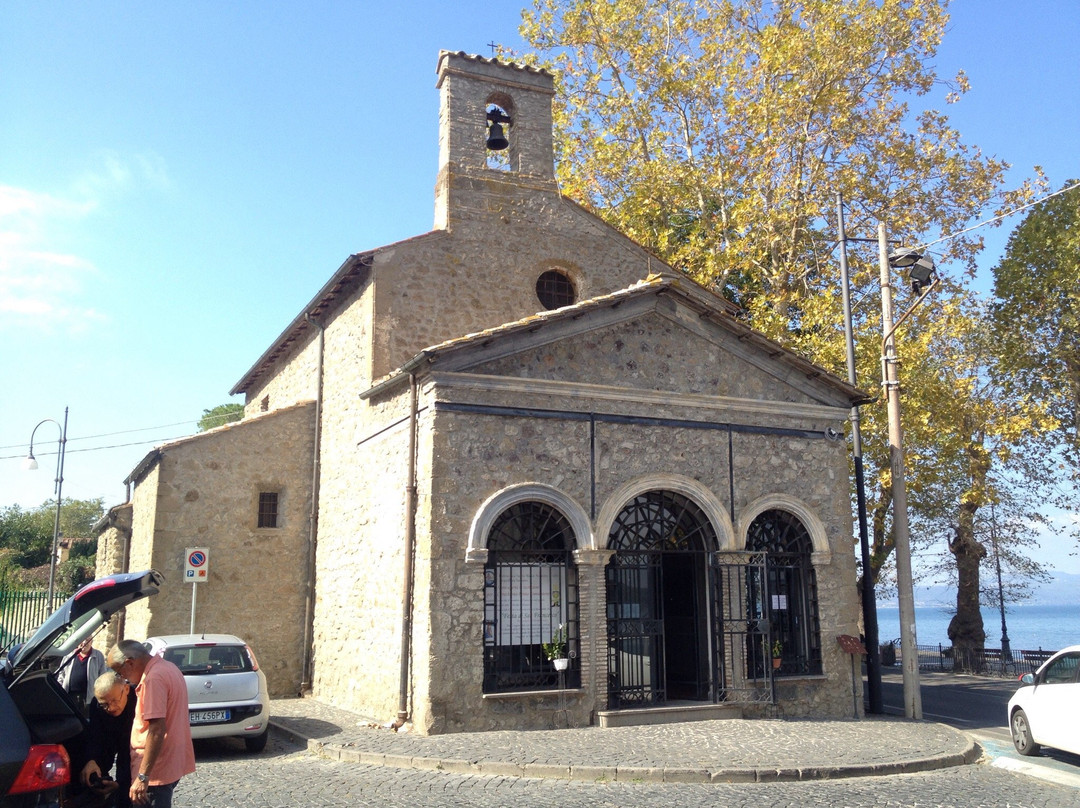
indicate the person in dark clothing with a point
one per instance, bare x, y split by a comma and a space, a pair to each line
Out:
108, 739
79, 671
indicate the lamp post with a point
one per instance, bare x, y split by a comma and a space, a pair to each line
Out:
923, 279
869, 599
1006, 650
31, 464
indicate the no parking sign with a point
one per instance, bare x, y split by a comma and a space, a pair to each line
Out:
197, 566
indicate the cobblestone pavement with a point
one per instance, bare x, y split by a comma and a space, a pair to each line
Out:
685, 752
286, 774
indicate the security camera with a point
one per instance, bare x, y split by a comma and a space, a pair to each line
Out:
833, 434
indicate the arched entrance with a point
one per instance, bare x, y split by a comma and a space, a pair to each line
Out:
657, 601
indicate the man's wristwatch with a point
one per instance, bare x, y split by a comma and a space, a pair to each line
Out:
144, 778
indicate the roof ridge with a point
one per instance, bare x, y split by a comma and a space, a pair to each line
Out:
475, 57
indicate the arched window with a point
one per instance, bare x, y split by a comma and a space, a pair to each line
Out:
792, 605
530, 593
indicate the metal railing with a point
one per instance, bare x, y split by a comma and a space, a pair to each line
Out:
983, 661
21, 612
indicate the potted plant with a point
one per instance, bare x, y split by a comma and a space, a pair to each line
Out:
556, 649
777, 654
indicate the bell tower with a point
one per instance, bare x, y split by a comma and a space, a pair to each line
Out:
494, 130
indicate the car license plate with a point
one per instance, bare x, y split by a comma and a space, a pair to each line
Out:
208, 716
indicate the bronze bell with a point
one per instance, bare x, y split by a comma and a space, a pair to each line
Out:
496, 140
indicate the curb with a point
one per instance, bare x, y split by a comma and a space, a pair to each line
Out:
635, 774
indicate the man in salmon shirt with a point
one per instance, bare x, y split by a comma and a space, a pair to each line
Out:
161, 750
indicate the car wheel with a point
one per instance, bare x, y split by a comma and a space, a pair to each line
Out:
256, 743
1021, 734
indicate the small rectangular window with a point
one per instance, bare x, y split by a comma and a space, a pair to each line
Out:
268, 509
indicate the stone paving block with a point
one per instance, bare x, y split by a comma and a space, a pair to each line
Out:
639, 774
499, 768
734, 776
592, 774
398, 761
373, 758
427, 764
678, 774
455, 766
554, 770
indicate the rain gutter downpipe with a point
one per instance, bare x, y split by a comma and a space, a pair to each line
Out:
410, 542
313, 517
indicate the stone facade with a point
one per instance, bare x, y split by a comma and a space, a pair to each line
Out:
433, 388
468, 457
204, 492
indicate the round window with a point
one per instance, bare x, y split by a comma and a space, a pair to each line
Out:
555, 289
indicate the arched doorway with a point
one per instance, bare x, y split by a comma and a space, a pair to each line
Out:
657, 601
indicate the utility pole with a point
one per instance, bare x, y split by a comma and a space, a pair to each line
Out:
901, 535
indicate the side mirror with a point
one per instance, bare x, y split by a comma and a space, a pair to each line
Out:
1028, 679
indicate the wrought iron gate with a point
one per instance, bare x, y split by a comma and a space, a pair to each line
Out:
635, 624
741, 635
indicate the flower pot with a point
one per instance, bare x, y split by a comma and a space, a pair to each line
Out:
776, 663
561, 664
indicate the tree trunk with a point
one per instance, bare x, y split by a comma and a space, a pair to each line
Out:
966, 628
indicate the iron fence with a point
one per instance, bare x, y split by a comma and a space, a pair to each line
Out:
21, 612
983, 661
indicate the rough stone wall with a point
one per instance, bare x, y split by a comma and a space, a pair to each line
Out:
144, 498
483, 273
361, 528
204, 492
295, 380
649, 352
360, 573
112, 543
468, 85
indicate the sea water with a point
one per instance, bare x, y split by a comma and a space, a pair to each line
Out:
1029, 626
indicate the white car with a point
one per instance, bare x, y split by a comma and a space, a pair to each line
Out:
1044, 711
227, 693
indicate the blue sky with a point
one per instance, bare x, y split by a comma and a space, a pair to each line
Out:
178, 179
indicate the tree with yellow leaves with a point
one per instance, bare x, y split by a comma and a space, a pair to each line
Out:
717, 133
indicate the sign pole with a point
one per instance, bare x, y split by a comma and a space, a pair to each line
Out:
196, 571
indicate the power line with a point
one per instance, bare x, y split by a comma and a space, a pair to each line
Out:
221, 419
98, 448
112, 434
999, 217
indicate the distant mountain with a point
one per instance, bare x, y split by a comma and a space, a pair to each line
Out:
1062, 590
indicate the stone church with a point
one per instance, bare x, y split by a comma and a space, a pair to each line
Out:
517, 433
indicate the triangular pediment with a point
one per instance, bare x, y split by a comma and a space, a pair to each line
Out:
655, 338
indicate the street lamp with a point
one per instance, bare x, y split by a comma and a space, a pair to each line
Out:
923, 278
31, 464
1006, 651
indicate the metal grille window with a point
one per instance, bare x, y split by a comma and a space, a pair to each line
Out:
268, 509
530, 590
792, 607
555, 289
